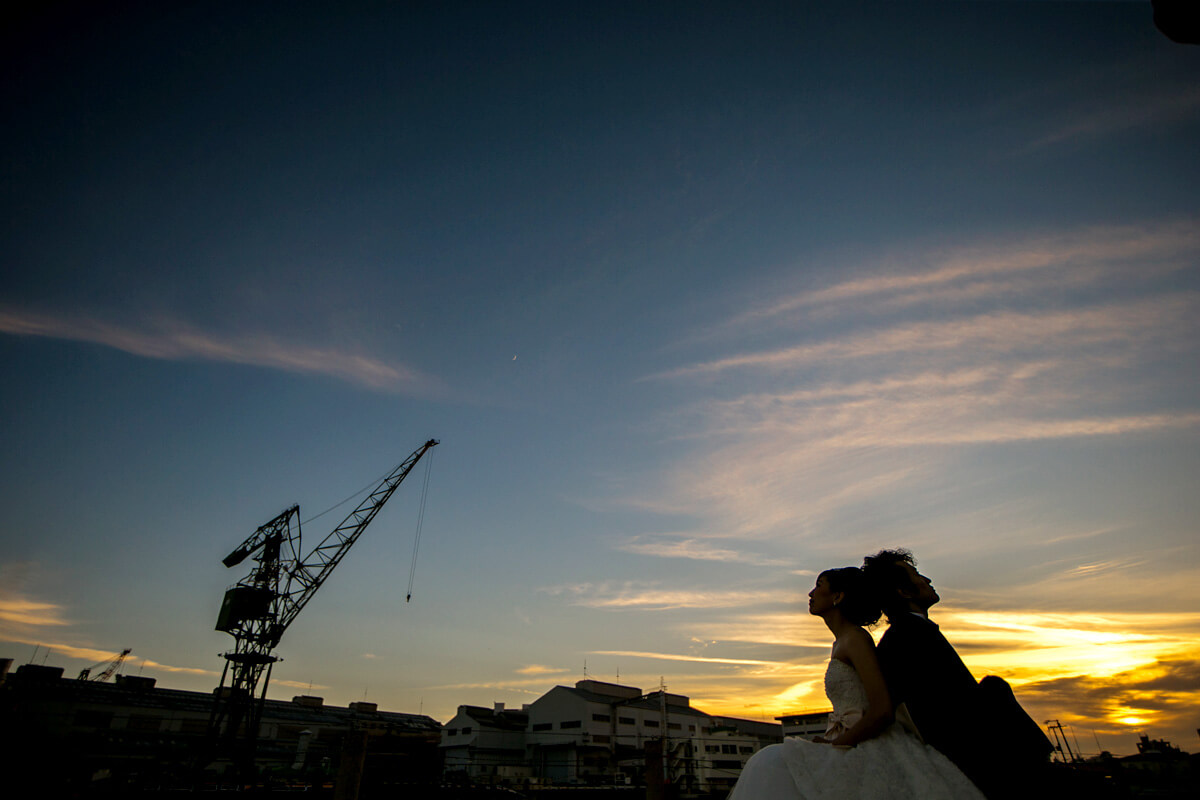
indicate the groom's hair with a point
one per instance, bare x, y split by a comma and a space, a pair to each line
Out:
885, 572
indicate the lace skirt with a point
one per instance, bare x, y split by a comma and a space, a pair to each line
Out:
892, 766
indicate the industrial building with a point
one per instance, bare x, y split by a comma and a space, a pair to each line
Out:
602, 734
70, 734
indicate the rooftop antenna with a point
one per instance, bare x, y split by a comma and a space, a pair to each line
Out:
585, 669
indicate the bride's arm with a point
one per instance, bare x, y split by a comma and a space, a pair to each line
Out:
859, 650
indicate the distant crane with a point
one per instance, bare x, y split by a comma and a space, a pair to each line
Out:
110, 666
258, 610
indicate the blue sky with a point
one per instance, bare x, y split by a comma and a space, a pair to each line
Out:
699, 298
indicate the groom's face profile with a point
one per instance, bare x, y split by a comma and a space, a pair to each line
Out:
922, 595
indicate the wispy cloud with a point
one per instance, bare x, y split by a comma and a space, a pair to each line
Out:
682, 657
539, 669
1112, 115
98, 656
25, 612
864, 403
665, 546
1123, 324
170, 339
26, 619
530, 686
990, 271
22, 612
299, 685
631, 596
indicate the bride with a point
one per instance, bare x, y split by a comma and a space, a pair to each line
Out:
864, 753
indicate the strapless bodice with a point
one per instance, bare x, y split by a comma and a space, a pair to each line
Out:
843, 688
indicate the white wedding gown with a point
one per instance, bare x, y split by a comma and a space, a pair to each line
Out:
892, 766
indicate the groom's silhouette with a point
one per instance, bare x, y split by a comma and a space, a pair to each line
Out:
977, 725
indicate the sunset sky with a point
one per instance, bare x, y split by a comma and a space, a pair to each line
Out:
699, 298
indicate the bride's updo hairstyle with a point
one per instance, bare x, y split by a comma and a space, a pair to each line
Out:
859, 604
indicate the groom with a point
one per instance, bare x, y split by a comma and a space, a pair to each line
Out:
977, 725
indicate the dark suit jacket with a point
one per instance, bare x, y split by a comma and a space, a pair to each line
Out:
924, 672
981, 728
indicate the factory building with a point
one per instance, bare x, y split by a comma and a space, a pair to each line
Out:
602, 734
69, 733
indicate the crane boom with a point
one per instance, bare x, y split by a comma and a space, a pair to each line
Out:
110, 666
308, 576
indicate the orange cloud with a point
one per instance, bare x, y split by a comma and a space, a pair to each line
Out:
25, 612
538, 669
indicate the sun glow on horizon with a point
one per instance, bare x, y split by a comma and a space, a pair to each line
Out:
1103, 672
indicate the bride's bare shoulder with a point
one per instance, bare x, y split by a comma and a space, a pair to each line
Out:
855, 640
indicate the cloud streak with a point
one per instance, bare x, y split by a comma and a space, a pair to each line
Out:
92, 654
866, 389
1156, 319
539, 669
631, 596
1129, 112
987, 271
679, 657
696, 550
173, 340
25, 612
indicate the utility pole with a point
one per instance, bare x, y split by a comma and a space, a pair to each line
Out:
1055, 727
664, 721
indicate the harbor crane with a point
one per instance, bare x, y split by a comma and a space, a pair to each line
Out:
258, 609
110, 666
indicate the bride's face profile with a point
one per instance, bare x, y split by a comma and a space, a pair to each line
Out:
821, 599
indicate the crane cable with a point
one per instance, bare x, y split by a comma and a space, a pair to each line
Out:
359, 493
412, 570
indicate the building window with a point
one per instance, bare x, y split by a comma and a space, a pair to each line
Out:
601, 738
194, 726
718, 764
627, 720
143, 723
674, 726
543, 726
601, 718
691, 728
466, 731
452, 732
571, 724
729, 749
745, 750
651, 723
93, 719
712, 748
